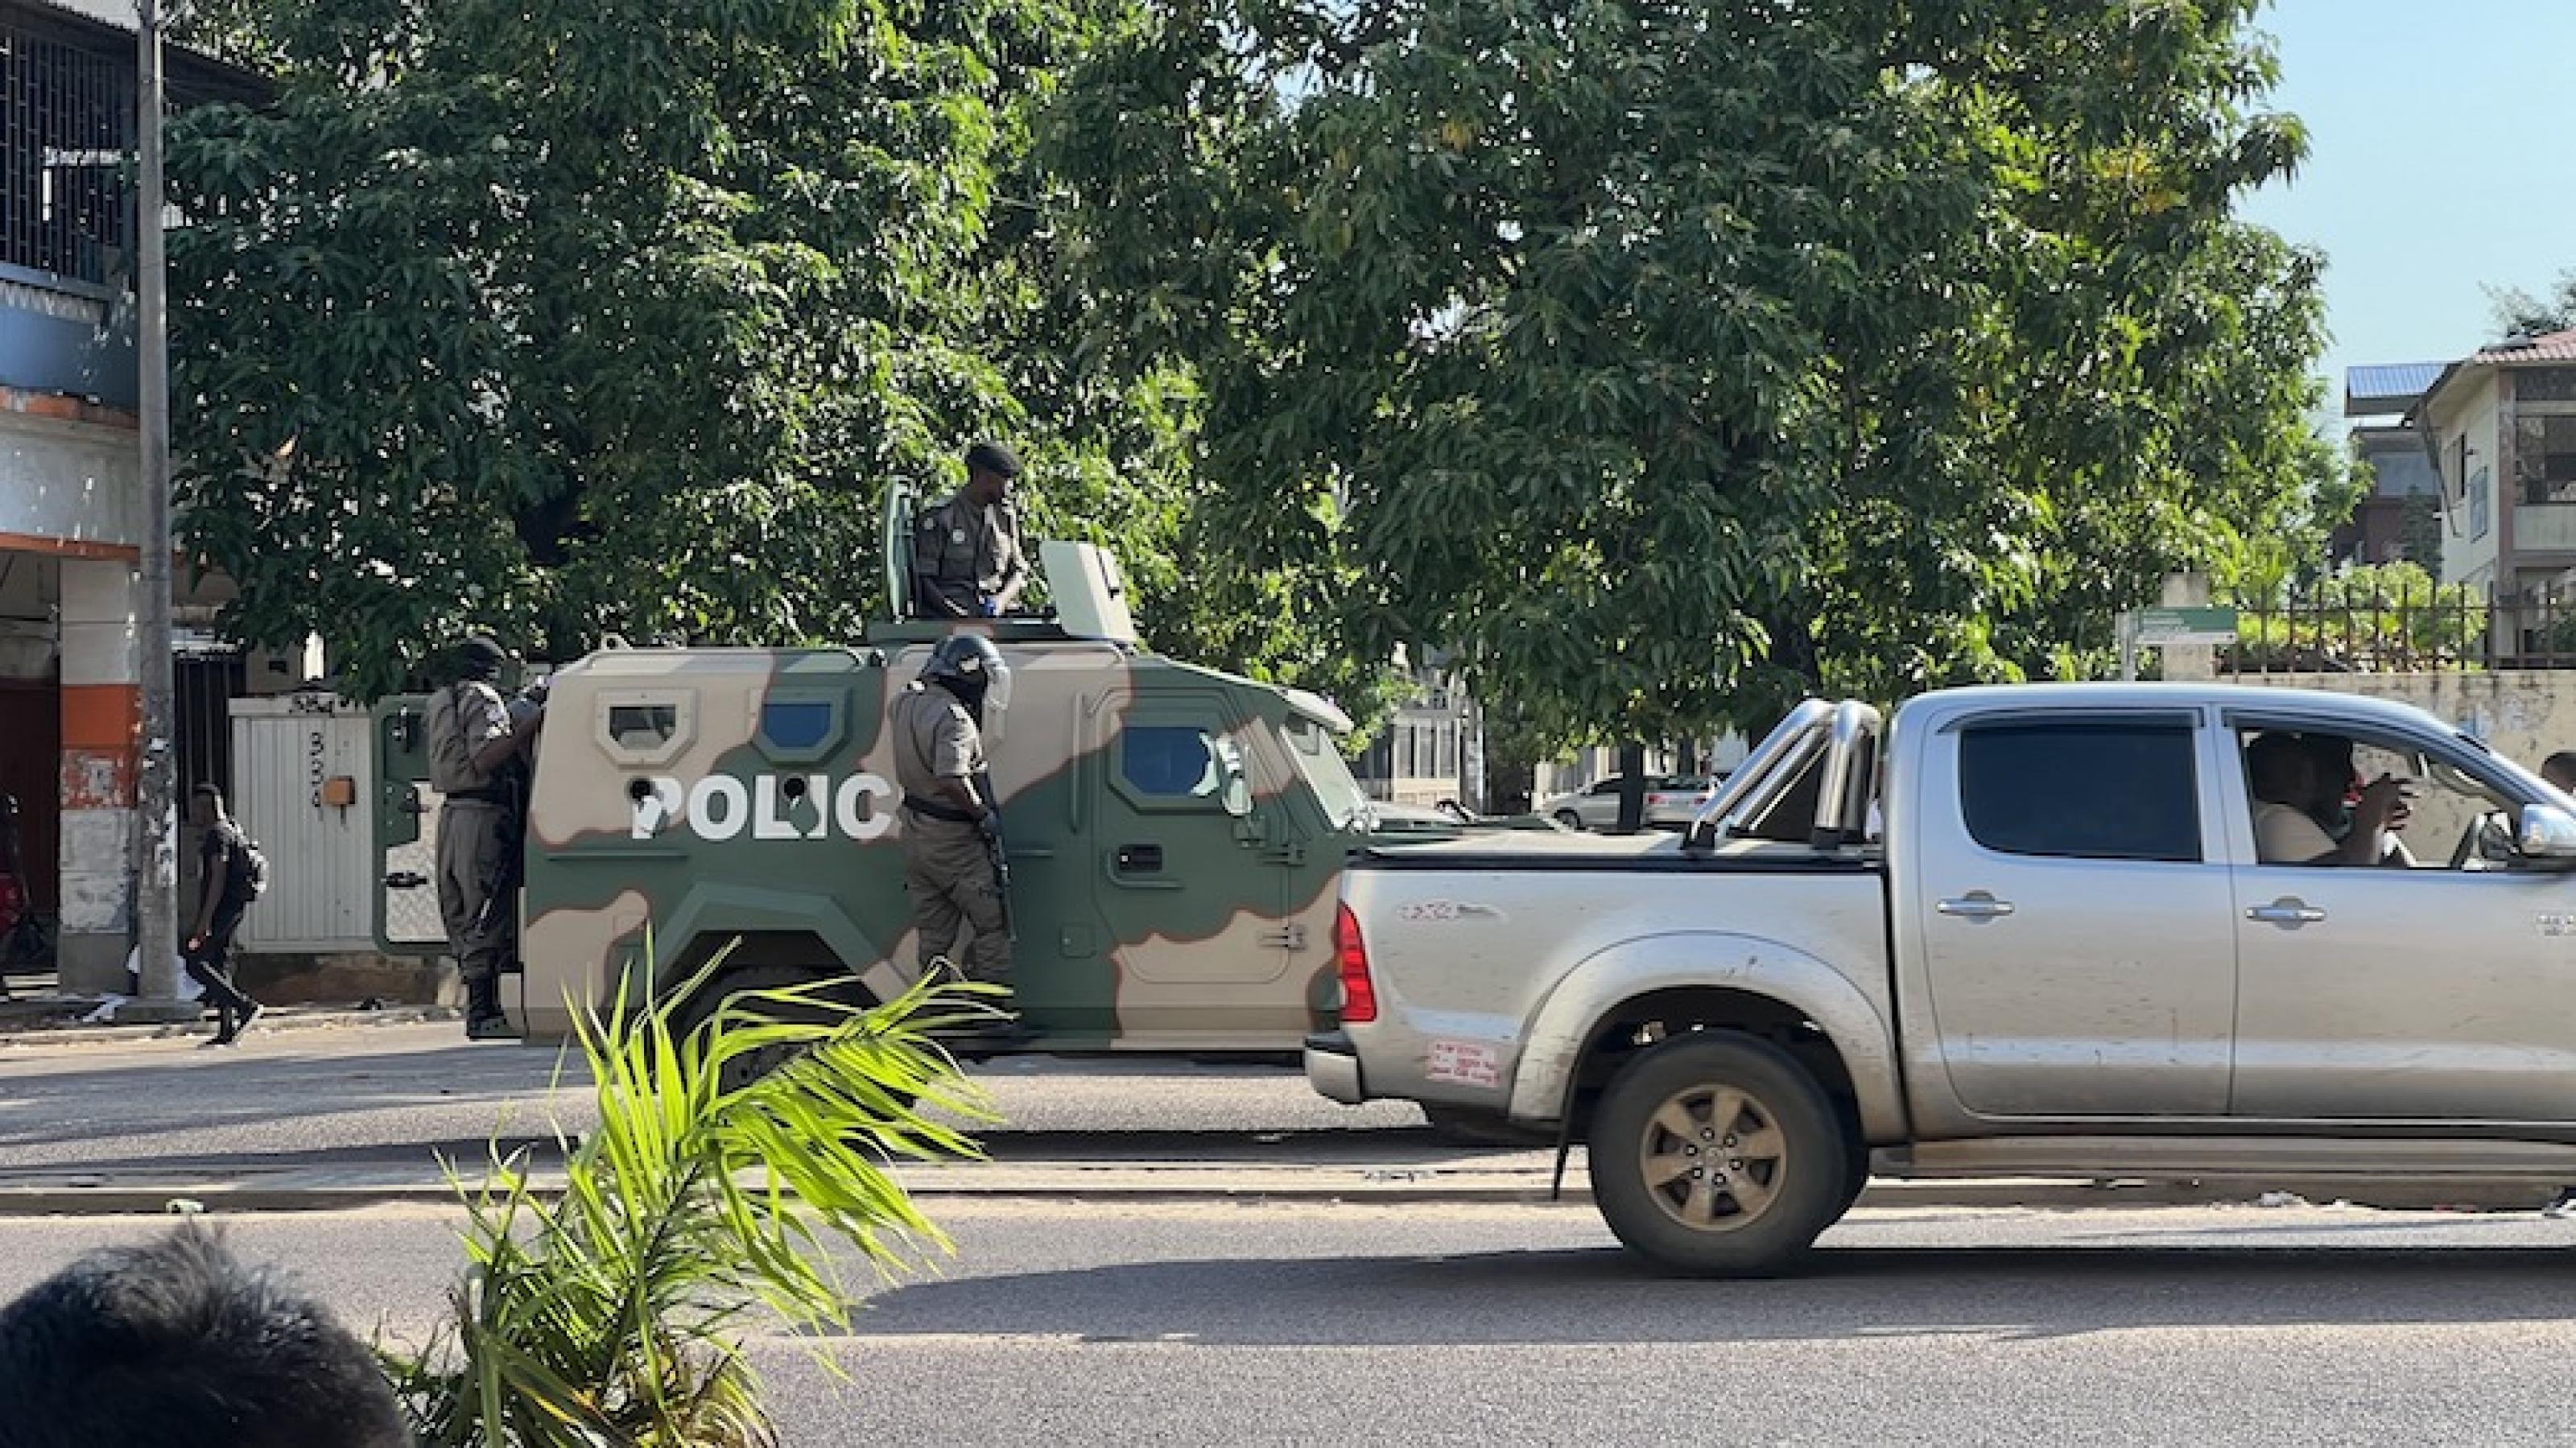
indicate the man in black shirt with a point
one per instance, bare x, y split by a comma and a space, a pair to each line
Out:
223, 893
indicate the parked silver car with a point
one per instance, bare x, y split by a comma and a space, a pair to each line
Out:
1670, 803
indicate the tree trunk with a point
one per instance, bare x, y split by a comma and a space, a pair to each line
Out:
1511, 783
1632, 787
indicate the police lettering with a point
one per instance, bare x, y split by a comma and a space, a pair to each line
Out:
766, 807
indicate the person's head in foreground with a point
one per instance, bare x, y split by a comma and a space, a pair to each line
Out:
177, 1345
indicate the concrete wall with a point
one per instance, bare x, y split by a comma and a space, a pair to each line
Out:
101, 714
69, 476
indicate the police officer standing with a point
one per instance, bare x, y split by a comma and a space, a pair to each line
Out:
966, 556
474, 739
952, 826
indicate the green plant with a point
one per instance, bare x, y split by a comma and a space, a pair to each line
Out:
611, 1314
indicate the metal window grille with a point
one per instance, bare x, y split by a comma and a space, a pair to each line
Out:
67, 125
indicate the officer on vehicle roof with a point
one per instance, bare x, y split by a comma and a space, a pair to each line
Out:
966, 558
952, 825
477, 744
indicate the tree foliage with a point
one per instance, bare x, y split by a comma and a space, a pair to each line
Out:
568, 319
2535, 314
1665, 360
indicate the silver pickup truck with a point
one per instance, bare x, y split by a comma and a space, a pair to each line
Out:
2034, 934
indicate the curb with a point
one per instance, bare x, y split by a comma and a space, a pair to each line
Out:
1179, 1184
275, 1020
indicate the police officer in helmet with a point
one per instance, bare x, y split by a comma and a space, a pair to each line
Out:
952, 825
478, 754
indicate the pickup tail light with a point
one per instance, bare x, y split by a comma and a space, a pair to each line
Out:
1350, 955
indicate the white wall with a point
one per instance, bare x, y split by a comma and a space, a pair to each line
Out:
69, 481
2476, 413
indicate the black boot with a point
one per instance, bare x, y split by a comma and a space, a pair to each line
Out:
483, 1018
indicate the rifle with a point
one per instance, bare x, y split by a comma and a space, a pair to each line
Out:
999, 857
510, 868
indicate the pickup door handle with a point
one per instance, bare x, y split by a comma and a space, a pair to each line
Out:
1976, 905
2289, 912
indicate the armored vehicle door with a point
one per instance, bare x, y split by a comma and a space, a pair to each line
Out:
1194, 860
407, 920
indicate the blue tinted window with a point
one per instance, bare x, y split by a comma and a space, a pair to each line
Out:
1167, 761
796, 723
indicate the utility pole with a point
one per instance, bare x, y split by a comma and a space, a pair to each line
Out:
156, 814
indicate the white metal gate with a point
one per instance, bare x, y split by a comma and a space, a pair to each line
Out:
295, 757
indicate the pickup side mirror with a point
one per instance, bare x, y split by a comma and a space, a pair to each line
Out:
2546, 833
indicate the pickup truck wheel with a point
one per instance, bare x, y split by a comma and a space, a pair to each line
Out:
1718, 1155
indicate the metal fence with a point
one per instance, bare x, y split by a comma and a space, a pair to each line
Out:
2455, 627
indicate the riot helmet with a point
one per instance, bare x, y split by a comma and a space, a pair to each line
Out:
968, 666
479, 659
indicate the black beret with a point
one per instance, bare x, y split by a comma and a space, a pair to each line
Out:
993, 457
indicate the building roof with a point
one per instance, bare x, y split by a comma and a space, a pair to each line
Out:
108, 27
2551, 347
2387, 388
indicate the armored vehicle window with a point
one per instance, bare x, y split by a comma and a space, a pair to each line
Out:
1326, 772
1168, 761
796, 723
2086, 790
642, 726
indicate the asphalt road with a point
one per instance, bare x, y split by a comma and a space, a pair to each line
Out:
1299, 1325
352, 1095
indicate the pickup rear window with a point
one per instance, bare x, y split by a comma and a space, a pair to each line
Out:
2084, 790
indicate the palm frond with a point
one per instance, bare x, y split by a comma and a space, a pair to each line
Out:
611, 1314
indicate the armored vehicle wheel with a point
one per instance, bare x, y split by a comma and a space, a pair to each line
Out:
1717, 1155
744, 1070
1569, 819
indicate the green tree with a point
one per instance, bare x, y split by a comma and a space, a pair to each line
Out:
2422, 533
2534, 314
1666, 360
566, 320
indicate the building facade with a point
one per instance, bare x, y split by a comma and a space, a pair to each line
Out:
70, 473
2399, 518
2500, 430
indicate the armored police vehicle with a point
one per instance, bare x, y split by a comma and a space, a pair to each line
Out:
1174, 834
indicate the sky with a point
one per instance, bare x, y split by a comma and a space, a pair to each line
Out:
2438, 163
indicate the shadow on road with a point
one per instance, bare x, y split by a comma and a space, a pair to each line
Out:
1603, 1296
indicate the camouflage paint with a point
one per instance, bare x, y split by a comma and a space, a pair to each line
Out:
1227, 946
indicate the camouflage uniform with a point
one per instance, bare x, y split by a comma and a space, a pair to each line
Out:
947, 872
964, 557
463, 718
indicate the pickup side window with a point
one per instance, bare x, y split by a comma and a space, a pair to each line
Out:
2082, 790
